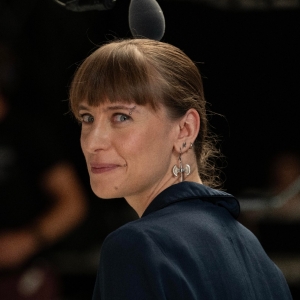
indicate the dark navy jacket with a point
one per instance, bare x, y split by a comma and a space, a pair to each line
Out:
187, 245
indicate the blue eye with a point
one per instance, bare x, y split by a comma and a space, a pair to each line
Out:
121, 117
86, 118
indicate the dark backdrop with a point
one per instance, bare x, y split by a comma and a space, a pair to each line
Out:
249, 61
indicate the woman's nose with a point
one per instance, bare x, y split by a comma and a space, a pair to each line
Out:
94, 138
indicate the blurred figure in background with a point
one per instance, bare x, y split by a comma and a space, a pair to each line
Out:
284, 173
282, 194
41, 196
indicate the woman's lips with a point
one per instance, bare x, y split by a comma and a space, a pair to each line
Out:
102, 168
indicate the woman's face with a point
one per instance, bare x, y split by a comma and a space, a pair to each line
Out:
128, 149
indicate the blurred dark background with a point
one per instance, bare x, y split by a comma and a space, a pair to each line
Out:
248, 54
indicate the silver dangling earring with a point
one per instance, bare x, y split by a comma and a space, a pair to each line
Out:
181, 170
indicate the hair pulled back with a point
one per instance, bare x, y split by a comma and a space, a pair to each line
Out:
144, 71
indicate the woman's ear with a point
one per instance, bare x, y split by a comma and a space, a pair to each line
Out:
189, 126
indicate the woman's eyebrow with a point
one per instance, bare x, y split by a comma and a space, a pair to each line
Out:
124, 107
82, 106
115, 107
108, 108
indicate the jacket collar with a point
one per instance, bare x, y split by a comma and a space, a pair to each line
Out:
191, 190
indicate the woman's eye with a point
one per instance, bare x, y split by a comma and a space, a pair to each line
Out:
86, 118
120, 118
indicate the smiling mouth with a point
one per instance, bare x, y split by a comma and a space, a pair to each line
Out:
103, 168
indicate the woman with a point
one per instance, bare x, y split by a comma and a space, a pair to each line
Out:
144, 138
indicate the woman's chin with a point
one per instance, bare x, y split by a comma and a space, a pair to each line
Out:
104, 193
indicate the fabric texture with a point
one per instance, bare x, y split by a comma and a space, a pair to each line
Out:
187, 245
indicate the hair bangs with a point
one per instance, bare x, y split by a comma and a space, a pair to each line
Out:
115, 75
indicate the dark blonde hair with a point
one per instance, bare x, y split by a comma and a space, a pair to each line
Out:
144, 71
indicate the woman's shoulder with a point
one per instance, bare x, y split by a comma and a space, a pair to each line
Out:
129, 233
131, 241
